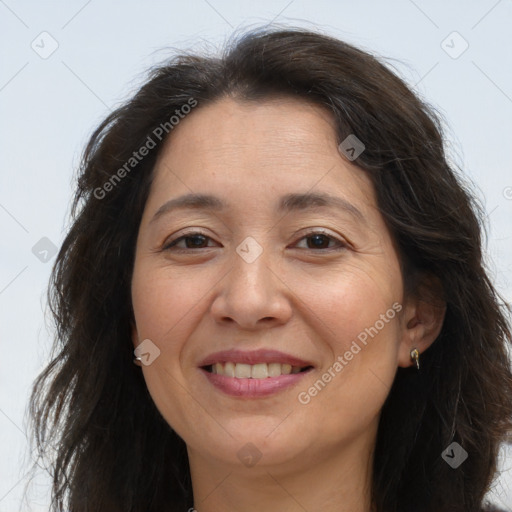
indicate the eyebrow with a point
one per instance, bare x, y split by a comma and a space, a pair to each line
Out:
287, 203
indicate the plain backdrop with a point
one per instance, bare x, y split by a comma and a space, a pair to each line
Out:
66, 64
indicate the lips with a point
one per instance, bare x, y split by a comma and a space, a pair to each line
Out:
254, 374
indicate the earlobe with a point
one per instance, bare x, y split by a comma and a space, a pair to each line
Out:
422, 323
135, 337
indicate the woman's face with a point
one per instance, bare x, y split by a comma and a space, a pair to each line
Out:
287, 262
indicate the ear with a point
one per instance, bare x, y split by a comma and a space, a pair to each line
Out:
422, 320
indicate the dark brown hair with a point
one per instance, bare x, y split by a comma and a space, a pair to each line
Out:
115, 452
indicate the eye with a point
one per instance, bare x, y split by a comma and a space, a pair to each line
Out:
321, 240
194, 240
314, 240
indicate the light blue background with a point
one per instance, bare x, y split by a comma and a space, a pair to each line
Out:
50, 106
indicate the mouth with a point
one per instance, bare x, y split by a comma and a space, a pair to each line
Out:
254, 371
253, 374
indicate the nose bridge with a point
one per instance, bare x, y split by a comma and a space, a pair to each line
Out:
251, 290
251, 271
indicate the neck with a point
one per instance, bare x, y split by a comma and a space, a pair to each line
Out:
338, 481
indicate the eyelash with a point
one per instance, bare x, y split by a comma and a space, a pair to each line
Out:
170, 246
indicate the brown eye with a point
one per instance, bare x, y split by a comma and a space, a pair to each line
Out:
189, 241
195, 241
320, 240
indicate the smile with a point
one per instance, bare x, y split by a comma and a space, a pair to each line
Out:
254, 371
253, 374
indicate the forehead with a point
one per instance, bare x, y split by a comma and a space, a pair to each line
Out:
249, 129
255, 150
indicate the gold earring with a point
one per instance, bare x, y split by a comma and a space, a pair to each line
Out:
415, 356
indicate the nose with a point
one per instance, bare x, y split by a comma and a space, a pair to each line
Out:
252, 295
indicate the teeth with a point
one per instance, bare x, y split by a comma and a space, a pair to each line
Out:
229, 369
254, 371
286, 369
259, 371
274, 369
242, 371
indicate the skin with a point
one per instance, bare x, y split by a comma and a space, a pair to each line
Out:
306, 301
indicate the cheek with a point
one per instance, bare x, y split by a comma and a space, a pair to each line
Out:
345, 302
167, 307
165, 303
355, 317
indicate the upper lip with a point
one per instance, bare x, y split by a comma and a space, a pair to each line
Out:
253, 357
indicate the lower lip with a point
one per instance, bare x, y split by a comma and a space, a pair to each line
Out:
253, 388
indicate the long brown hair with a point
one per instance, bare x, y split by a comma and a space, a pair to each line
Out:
115, 452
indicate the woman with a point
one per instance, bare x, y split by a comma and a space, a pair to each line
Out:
277, 236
